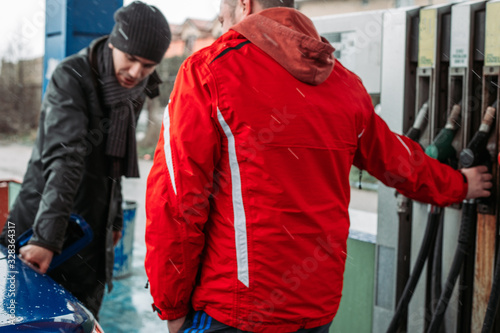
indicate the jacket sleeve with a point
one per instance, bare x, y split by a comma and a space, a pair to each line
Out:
178, 191
64, 123
401, 163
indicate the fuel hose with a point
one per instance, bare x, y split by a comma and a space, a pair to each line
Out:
427, 244
493, 302
469, 218
474, 154
429, 236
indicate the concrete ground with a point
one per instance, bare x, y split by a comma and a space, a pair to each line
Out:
128, 307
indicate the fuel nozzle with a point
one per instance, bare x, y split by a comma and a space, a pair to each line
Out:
476, 152
441, 149
420, 123
414, 134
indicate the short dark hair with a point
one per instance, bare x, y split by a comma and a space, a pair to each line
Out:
276, 3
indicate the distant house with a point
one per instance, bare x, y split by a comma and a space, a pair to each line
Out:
192, 36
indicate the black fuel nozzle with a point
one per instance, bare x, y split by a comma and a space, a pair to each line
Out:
414, 134
476, 152
420, 123
441, 148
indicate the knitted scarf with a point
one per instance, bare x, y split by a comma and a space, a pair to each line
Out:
120, 103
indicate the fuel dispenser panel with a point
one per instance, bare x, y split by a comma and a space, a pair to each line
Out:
431, 90
464, 92
433, 62
399, 63
457, 77
448, 83
486, 281
438, 82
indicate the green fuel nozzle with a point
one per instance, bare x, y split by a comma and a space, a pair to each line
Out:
420, 123
476, 153
441, 148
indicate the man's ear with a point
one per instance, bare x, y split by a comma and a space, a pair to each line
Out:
246, 7
111, 46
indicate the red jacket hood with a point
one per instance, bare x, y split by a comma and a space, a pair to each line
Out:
289, 37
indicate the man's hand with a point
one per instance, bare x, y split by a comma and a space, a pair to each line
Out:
175, 325
116, 237
37, 256
479, 182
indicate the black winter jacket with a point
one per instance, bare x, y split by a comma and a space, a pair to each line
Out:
68, 169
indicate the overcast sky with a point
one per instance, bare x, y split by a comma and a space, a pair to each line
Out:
22, 22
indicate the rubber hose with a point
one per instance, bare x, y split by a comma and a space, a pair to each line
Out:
469, 217
437, 266
425, 248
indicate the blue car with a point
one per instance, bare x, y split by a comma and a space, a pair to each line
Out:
34, 302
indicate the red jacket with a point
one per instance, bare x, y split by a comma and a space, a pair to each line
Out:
247, 201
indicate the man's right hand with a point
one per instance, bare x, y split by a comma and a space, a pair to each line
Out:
37, 256
478, 181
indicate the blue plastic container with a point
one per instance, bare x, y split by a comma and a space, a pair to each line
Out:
124, 249
81, 236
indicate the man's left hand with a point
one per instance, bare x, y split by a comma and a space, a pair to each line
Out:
175, 325
116, 237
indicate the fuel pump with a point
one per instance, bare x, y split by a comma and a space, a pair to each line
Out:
420, 124
474, 154
487, 210
466, 68
432, 71
399, 110
487, 218
448, 78
442, 150
432, 87
464, 89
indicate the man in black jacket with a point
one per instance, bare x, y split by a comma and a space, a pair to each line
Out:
85, 143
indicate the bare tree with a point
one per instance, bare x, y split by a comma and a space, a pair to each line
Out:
19, 96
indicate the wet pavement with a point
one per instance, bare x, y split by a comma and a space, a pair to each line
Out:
127, 309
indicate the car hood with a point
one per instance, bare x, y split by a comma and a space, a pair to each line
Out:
34, 301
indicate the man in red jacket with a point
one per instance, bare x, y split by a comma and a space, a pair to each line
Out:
247, 201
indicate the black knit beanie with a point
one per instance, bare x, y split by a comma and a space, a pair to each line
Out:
141, 30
